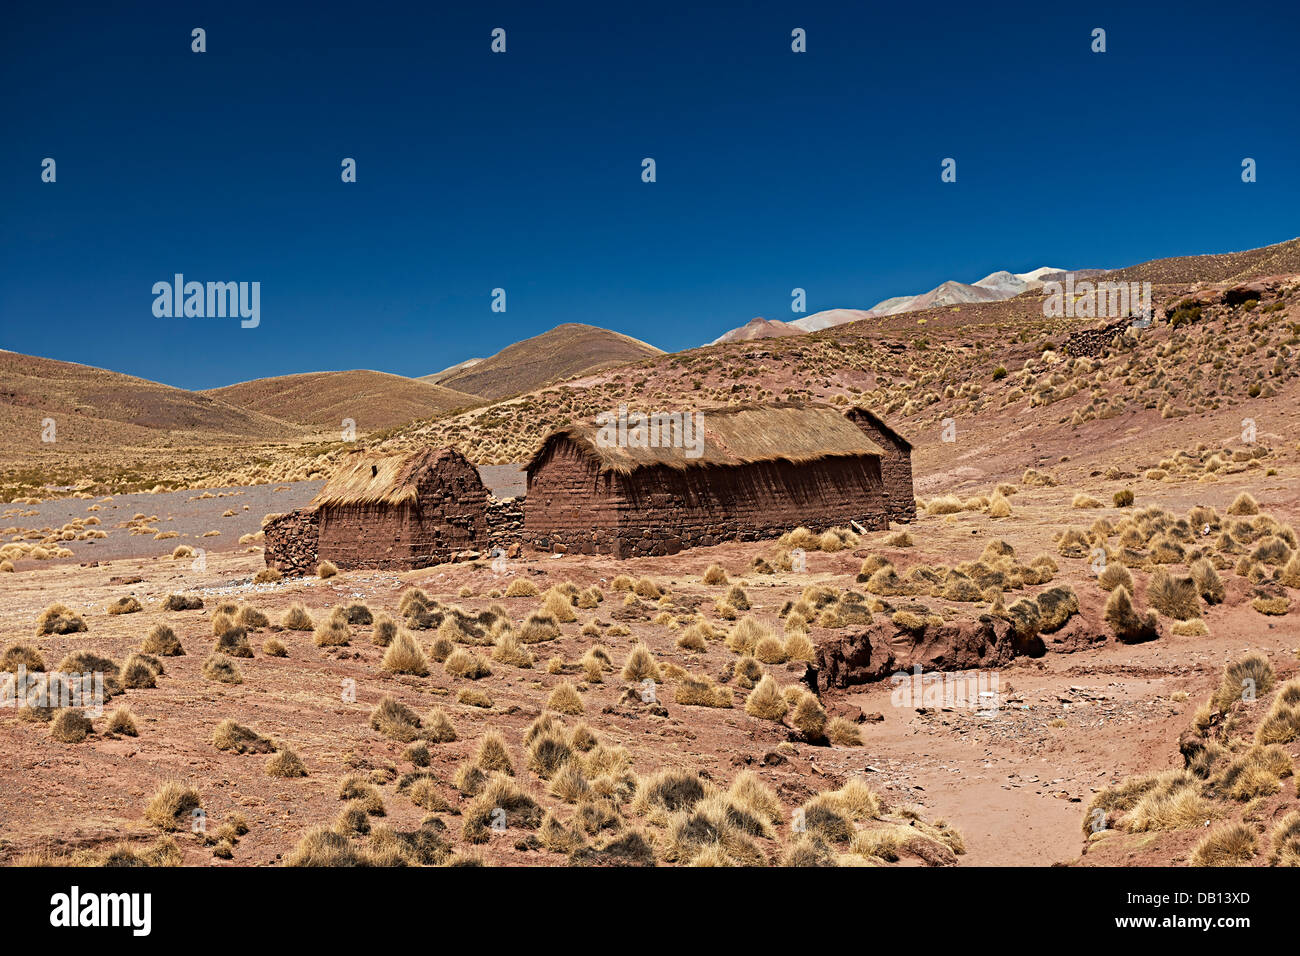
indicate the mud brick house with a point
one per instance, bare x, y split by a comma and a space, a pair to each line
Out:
761, 471
385, 511
895, 463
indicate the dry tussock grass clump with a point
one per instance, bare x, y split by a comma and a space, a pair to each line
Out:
1129, 626
668, 790
539, 627
1174, 596
501, 797
1231, 845
326, 570
508, 650
1244, 504
1115, 576
239, 739
332, 633
565, 699
70, 726
268, 576
558, 605
172, 806
182, 602
395, 720
521, 587
125, 605
1170, 800
296, 618
220, 668
59, 619
21, 655
140, 671
122, 721
844, 733
1250, 676
233, 642
1208, 583
1274, 605
701, 691
284, 763
715, 574
463, 662
161, 640
641, 665
766, 701
405, 656
385, 630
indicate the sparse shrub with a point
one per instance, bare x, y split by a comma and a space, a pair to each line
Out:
285, 763
565, 699
465, 663
1175, 597
405, 656
70, 726
766, 701
1124, 620
1233, 844
59, 619
172, 805
218, 667
715, 574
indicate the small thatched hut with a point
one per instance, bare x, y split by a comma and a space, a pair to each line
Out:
759, 471
386, 511
895, 463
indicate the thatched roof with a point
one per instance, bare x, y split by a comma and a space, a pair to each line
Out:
738, 435
370, 478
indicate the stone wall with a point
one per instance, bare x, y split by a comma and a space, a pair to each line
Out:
291, 544
505, 522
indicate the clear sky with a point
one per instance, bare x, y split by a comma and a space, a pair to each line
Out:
522, 170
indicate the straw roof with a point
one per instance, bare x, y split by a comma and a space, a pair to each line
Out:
370, 478
737, 435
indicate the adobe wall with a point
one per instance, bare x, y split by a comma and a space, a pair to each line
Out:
660, 510
896, 469
291, 544
448, 515
569, 503
665, 510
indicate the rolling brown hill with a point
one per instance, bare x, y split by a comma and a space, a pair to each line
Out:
566, 350
95, 409
373, 400
1279, 259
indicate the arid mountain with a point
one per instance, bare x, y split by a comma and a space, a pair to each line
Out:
372, 400
93, 407
829, 318
436, 378
566, 350
759, 328
992, 288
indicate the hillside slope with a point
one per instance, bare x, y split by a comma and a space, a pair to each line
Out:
566, 350
372, 400
96, 408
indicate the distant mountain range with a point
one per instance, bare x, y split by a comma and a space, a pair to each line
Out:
992, 288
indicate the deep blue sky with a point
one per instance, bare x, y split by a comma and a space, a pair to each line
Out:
522, 170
